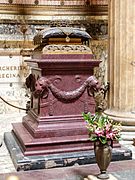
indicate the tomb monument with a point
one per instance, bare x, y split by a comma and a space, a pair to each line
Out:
62, 84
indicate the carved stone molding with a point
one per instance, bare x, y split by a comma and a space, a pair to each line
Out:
66, 49
13, 30
57, 2
52, 12
43, 85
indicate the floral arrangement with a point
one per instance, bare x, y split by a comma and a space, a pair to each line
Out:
102, 128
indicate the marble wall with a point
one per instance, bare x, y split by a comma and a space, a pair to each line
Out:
13, 71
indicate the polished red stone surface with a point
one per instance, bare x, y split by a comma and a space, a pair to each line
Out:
62, 87
54, 123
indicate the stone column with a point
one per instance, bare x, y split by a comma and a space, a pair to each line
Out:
121, 73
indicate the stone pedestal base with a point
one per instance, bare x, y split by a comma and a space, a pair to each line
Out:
23, 162
127, 119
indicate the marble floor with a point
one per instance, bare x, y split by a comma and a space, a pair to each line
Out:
6, 121
121, 169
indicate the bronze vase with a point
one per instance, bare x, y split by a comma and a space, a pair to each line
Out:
103, 155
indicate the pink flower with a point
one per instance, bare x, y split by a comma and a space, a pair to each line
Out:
108, 127
110, 135
115, 131
102, 128
99, 132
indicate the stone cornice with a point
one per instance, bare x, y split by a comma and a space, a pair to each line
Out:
53, 10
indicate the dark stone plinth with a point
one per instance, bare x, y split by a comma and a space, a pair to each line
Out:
121, 170
25, 163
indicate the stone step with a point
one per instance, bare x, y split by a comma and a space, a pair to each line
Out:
22, 162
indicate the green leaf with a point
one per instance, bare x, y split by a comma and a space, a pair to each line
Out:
103, 140
93, 138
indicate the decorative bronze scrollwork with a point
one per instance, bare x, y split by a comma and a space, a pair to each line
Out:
30, 82
100, 98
